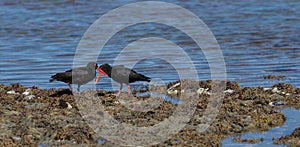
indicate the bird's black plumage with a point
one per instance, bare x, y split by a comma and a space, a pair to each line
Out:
122, 74
79, 76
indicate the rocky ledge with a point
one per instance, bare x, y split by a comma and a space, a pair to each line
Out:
33, 116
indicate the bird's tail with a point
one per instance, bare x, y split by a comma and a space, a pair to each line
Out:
144, 78
53, 78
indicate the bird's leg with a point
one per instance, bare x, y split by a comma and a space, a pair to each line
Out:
119, 90
128, 86
78, 89
71, 88
98, 78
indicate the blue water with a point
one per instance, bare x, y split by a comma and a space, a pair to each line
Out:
160, 95
39, 38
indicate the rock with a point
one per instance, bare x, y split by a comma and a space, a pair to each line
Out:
36, 106
292, 140
276, 103
236, 128
172, 92
55, 119
27, 92
29, 97
248, 140
174, 86
287, 88
12, 92
229, 91
273, 77
203, 91
275, 90
69, 105
233, 85
276, 97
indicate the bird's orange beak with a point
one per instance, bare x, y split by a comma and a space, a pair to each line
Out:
99, 74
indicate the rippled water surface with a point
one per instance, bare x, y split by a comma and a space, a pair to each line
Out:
39, 38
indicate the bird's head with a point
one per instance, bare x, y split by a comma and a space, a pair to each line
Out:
96, 65
92, 65
101, 70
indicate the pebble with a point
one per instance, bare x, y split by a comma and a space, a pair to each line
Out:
275, 90
12, 92
69, 105
229, 91
172, 92
30, 97
276, 103
203, 91
17, 138
26, 92
236, 128
175, 85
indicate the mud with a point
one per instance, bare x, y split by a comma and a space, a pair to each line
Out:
33, 116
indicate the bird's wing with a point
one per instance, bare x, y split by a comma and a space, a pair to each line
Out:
120, 70
134, 76
119, 66
80, 71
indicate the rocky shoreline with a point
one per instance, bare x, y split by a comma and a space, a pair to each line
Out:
33, 116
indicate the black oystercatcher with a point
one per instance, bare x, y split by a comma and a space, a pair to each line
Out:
121, 74
81, 75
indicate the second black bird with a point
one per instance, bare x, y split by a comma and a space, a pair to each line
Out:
122, 75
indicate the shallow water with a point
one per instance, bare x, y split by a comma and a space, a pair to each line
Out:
39, 38
292, 122
258, 38
160, 95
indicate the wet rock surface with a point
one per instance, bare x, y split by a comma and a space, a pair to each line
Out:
274, 77
33, 116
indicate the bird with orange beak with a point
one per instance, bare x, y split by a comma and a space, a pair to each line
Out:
121, 74
79, 76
